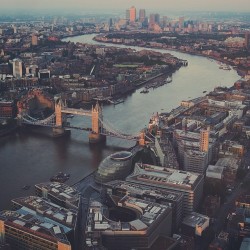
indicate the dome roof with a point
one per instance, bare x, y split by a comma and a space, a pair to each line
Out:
115, 166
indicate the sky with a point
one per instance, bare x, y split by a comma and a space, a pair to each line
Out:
173, 5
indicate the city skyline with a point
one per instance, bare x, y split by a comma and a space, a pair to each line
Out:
171, 5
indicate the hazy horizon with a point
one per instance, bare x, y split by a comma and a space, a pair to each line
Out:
170, 5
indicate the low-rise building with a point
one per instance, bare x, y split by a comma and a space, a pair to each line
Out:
215, 172
231, 148
194, 224
59, 193
231, 166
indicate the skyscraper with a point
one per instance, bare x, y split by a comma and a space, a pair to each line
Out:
181, 22
132, 16
157, 18
127, 14
154, 18
142, 15
151, 19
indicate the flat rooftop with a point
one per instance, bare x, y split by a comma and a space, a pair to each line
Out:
195, 219
196, 153
150, 214
215, 169
142, 190
45, 208
228, 162
33, 224
164, 177
61, 191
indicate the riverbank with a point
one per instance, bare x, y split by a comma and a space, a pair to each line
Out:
101, 39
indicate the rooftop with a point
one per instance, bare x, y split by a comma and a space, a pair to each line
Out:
33, 224
228, 162
215, 169
142, 190
121, 156
164, 177
149, 213
195, 219
45, 208
61, 191
194, 136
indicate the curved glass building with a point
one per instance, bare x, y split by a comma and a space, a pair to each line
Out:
115, 166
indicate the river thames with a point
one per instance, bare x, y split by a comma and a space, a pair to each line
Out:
30, 158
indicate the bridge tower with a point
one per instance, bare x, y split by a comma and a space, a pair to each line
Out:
58, 130
95, 136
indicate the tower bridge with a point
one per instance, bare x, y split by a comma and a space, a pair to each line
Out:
99, 128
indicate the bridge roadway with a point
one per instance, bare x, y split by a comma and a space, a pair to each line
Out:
78, 128
81, 112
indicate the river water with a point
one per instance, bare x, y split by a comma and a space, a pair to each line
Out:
28, 158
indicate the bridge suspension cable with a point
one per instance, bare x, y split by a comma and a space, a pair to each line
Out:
110, 130
49, 121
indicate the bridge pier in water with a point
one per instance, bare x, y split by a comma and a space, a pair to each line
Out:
96, 138
56, 132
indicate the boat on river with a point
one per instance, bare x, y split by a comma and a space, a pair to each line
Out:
169, 79
118, 101
144, 91
60, 177
26, 187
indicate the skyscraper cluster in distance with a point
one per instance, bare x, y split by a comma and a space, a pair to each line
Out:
153, 21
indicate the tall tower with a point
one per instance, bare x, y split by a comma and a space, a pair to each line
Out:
95, 136
142, 15
157, 18
96, 114
204, 140
154, 18
132, 16
58, 111
181, 22
128, 14
58, 130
